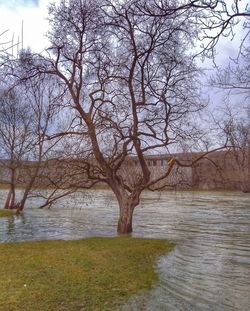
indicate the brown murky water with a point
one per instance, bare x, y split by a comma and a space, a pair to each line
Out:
210, 266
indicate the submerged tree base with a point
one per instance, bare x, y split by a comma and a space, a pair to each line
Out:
91, 274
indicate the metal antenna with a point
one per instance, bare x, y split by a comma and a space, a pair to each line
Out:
22, 35
17, 49
12, 45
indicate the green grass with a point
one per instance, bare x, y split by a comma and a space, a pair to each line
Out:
90, 274
7, 212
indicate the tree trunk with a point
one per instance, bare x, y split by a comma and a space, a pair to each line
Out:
7, 202
125, 218
11, 197
20, 205
127, 204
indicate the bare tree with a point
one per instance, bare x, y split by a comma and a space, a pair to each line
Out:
129, 70
14, 133
237, 130
34, 163
27, 114
234, 79
132, 83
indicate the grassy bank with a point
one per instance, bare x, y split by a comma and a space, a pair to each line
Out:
91, 274
7, 212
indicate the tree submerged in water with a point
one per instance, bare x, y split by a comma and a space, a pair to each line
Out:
131, 85
27, 112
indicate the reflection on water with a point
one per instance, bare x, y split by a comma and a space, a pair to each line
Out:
210, 266
13, 223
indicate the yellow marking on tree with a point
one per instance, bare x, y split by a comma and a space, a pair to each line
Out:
171, 162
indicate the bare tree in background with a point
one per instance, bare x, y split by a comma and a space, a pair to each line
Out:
235, 78
237, 130
15, 136
234, 81
27, 113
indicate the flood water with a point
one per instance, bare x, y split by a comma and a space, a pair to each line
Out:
209, 268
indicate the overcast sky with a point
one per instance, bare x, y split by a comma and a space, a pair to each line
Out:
33, 13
